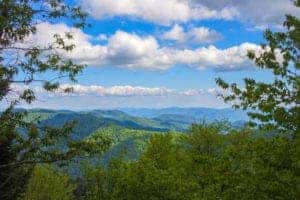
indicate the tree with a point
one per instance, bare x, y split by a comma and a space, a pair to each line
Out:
276, 105
18, 20
23, 144
203, 163
47, 183
12, 177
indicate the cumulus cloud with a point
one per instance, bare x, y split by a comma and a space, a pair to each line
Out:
96, 96
85, 51
262, 14
126, 90
102, 37
144, 52
194, 35
177, 33
117, 90
161, 12
204, 35
130, 50
211, 57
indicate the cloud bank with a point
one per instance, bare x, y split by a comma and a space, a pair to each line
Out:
118, 90
96, 96
130, 50
262, 14
166, 12
157, 11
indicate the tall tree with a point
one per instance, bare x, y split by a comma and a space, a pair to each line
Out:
275, 104
22, 144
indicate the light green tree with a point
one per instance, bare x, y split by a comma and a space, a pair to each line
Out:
48, 184
201, 164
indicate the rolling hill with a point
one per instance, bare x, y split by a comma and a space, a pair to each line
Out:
161, 120
130, 129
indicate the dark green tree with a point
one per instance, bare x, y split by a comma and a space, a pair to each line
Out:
23, 144
276, 105
47, 183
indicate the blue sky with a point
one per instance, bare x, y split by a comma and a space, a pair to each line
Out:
155, 53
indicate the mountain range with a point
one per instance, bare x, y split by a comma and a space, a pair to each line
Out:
131, 128
177, 119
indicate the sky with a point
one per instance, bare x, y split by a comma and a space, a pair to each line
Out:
160, 53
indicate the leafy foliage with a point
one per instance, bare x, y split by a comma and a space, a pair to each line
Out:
203, 164
23, 148
277, 104
23, 144
12, 177
125, 142
46, 183
18, 20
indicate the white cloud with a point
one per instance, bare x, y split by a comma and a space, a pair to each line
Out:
126, 90
102, 37
198, 35
130, 50
264, 13
133, 51
158, 11
85, 52
204, 35
96, 96
177, 33
260, 13
211, 57
117, 91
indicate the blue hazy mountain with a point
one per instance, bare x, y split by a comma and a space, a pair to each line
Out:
131, 128
178, 119
189, 114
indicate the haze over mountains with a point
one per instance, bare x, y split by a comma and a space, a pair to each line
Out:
192, 114
174, 118
131, 128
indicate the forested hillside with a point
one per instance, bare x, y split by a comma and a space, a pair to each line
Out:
178, 119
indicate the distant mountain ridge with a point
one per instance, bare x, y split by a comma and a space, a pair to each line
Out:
178, 119
131, 128
88, 122
206, 114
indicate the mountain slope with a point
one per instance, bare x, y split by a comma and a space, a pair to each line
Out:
177, 119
